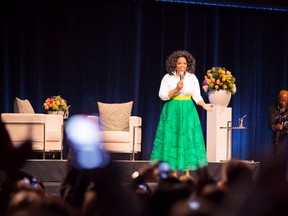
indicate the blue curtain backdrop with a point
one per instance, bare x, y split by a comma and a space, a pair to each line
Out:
115, 51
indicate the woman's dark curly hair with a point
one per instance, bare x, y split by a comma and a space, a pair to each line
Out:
172, 60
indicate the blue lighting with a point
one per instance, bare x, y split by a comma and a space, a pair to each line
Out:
234, 5
85, 141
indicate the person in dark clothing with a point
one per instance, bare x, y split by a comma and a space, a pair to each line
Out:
278, 123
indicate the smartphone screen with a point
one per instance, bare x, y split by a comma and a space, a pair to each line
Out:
164, 170
84, 140
34, 183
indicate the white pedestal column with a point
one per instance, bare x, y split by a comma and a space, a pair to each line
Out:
217, 138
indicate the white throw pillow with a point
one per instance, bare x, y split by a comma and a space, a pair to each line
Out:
115, 116
22, 106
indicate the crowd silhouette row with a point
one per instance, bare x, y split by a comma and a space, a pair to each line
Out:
102, 190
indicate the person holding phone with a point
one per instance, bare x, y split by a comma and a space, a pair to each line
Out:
179, 138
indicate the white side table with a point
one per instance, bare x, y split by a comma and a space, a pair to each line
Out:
216, 137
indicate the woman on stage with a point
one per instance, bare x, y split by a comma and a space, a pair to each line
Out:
179, 137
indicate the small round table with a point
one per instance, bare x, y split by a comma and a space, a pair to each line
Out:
229, 129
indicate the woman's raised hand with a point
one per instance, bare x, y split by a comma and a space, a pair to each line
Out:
179, 85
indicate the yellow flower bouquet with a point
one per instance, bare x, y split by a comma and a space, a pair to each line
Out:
218, 78
55, 103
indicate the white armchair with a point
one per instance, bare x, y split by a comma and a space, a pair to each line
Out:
45, 131
122, 141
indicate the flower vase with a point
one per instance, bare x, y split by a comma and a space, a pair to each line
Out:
219, 98
59, 112
52, 112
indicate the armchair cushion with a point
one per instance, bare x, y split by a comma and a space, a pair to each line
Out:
22, 106
115, 116
116, 136
122, 141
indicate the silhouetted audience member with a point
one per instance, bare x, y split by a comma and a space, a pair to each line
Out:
24, 202
30, 203
98, 191
73, 187
189, 181
54, 207
20, 193
169, 192
236, 173
30, 183
206, 198
11, 161
239, 183
203, 179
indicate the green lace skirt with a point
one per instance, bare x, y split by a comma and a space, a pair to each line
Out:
179, 137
